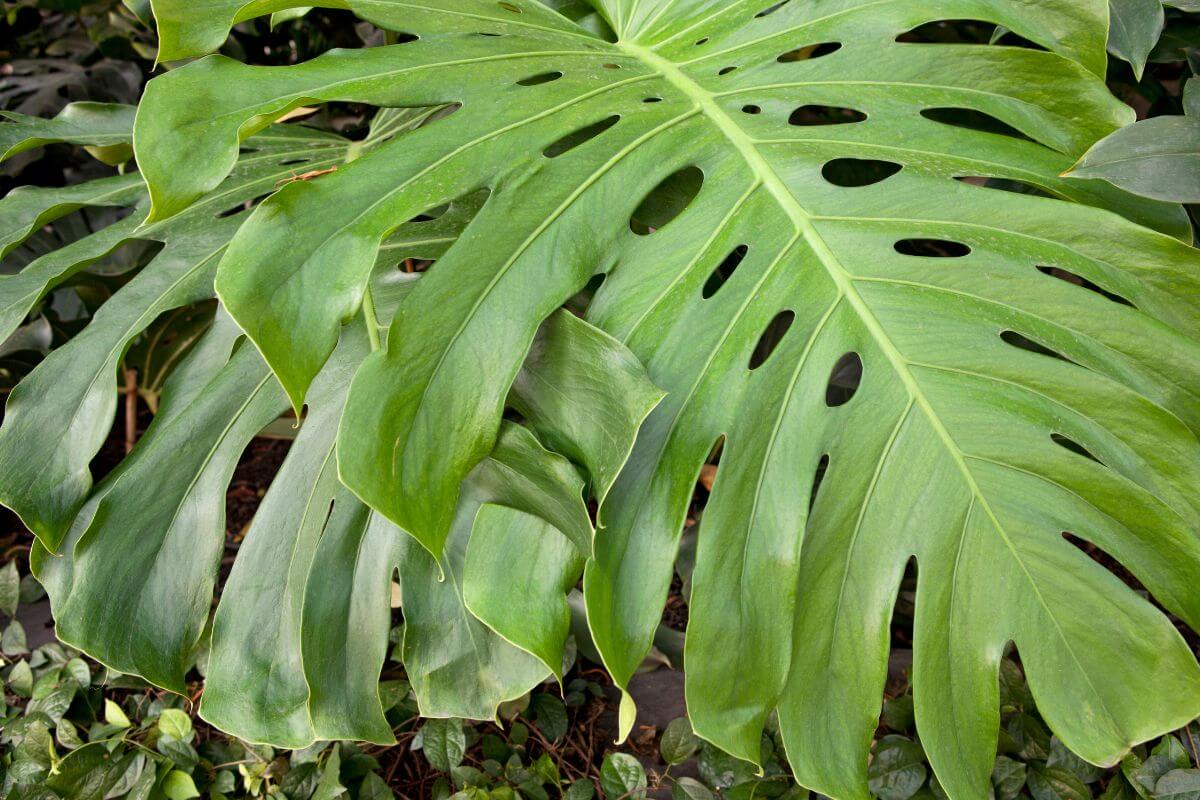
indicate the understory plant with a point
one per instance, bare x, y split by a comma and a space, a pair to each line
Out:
583, 252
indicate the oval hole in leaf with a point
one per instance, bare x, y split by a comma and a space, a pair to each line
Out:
584, 297
712, 464
244, 205
724, 271
1095, 553
825, 115
769, 10
1005, 185
844, 380
702, 41
776, 329
714, 455
818, 478
652, 100
855, 172
133, 254
1084, 283
581, 136
293, 161
809, 52
431, 214
932, 248
726, 70
972, 120
540, 78
950, 31
666, 201
1021, 342
1009, 39
1074, 446
751, 109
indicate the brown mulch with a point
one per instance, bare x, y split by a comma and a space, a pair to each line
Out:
675, 614
251, 479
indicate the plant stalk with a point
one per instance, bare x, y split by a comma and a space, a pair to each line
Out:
131, 409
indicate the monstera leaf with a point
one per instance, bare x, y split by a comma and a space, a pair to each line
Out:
131, 565
800, 214
57, 419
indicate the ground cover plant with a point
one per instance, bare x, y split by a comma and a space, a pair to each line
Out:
72, 729
874, 271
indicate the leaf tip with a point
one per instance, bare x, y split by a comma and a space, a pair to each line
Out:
625, 716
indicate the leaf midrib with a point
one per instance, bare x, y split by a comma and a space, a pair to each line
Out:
802, 220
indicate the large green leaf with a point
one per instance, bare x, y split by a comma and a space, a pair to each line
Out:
572, 364
297, 648
145, 568
1043, 379
302, 632
296, 651
317, 271
587, 397
523, 599
256, 683
57, 419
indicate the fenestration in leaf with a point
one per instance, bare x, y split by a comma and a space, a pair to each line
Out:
1003, 399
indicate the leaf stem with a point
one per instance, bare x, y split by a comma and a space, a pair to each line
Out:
368, 307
